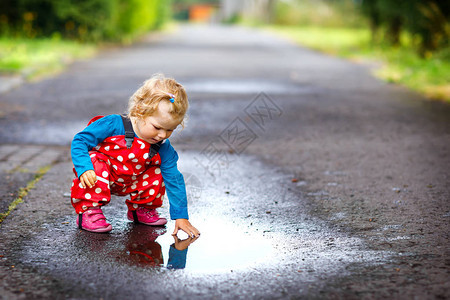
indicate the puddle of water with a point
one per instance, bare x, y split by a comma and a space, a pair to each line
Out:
50, 133
223, 247
252, 221
245, 86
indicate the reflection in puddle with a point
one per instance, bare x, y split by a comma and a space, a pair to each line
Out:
143, 250
256, 233
136, 245
223, 246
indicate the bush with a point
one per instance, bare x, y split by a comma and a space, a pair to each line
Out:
427, 20
87, 20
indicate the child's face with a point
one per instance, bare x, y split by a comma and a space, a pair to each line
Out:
158, 126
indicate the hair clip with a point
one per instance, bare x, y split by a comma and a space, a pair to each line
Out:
172, 99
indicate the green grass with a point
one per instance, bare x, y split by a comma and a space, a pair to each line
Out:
429, 76
35, 57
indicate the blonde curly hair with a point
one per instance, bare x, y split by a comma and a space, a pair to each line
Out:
157, 88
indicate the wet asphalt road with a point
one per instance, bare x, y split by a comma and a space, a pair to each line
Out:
329, 184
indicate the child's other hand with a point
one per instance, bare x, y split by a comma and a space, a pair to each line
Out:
88, 178
186, 226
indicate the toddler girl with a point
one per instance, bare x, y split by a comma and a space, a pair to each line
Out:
131, 155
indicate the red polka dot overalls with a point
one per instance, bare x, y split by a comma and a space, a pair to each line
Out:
121, 171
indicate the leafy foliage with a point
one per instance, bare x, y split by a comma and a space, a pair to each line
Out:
81, 19
400, 64
427, 20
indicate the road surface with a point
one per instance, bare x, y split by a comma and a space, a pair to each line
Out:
306, 176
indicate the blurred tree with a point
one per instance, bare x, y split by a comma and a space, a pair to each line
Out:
427, 20
81, 19
26, 17
369, 8
430, 21
85, 19
393, 14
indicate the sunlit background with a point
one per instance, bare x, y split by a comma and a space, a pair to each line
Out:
408, 41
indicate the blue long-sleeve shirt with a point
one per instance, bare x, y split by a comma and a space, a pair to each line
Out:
112, 125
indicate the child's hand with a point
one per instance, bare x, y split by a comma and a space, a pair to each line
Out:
88, 178
186, 226
183, 244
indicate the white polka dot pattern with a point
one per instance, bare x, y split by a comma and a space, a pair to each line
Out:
123, 172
